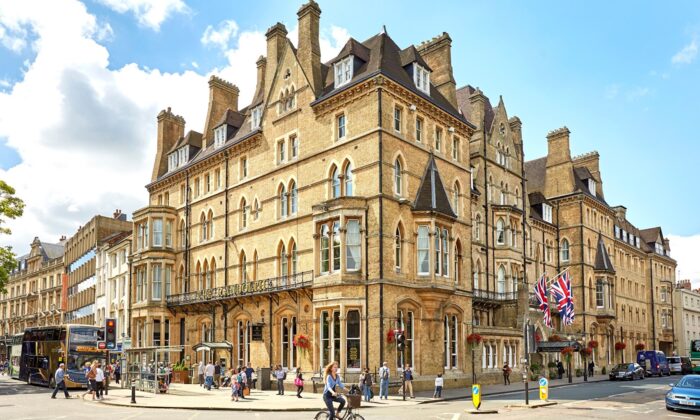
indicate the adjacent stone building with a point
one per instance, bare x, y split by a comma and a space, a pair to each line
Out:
686, 316
112, 287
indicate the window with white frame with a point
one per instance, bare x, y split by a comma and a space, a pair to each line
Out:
451, 331
244, 167
456, 146
397, 250
343, 71
423, 248
398, 174
419, 129
547, 212
280, 151
421, 77
340, 122
256, 117
565, 250
330, 337
288, 330
220, 136
500, 232
243, 345
591, 186
501, 282
405, 323
352, 340
156, 283
353, 245
397, 119
438, 139
158, 232
294, 147
599, 294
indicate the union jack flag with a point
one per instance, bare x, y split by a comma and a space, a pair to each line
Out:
564, 297
543, 300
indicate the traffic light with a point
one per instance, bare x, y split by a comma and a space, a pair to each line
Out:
111, 333
400, 341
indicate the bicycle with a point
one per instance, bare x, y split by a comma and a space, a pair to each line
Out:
354, 401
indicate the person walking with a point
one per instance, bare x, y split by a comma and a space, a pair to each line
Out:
280, 374
591, 368
506, 374
235, 385
60, 379
408, 375
117, 372
217, 375
384, 381
90, 376
249, 375
299, 383
439, 381
242, 379
200, 373
367, 385
254, 379
560, 369
99, 380
209, 375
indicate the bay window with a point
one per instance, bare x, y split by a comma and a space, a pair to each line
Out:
353, 245
423, 247
158, 232
352, 340
451, 331
156, 283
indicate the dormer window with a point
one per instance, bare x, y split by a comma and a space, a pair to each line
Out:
547, 213
343, 71
591, 186
219, 136
637, 241
255, 117
172, 161
178, 158
421, 77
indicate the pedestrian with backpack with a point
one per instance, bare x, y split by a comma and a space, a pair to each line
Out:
241, 379
384, 381
367, 385
299, 383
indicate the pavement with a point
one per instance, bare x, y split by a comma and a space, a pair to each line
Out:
194, 397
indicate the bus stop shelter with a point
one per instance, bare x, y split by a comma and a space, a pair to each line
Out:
145, 366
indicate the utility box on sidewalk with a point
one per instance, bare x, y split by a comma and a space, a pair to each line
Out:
264, 379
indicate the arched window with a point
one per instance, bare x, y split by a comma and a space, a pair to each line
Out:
212, 271
348, 180
503, 194
207, 275
203, 223
457, 260
292, 197
282, 262
325, 249
565, 250
398, 187
477, 227
455, 198
477, 271
244, 214
200, 280
256, 209
283, 200
501, 285
244, 268
500, 232
335, 183
294, 257
210, 222
183, 234
516, 198
445, 254
255, 265
397, 250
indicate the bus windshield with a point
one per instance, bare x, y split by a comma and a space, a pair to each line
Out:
84, 338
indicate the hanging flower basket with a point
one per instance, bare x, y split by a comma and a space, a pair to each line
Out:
587, 351
619, 346
474, 339
554, 337
639, 346
538, 337
567, 352
593, 344
301, 342
390, 337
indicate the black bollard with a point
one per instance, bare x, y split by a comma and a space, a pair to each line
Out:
133, 393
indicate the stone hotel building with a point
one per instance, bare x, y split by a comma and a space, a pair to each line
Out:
365, 194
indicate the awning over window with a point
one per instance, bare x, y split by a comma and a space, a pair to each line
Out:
556, 346
225, 345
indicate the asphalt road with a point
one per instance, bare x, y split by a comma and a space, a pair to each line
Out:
614, 400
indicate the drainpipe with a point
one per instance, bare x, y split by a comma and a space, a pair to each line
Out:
653, 307
367, 289
583, 284
381, 228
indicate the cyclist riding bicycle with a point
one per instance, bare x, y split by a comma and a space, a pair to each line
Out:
332, 380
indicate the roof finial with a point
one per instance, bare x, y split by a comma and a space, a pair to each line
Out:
384, 30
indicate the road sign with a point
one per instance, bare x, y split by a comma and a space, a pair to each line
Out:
544, 389
476, 396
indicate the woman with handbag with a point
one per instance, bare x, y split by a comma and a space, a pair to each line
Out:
299, 383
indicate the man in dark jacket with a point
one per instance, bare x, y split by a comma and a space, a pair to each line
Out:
560, 369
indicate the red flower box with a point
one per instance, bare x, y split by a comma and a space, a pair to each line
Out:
474, 339
593, 344
639, 346
301, 341
586, 351
620, 346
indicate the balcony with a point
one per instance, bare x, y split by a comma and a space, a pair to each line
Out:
488, 298
604, 312
235, 291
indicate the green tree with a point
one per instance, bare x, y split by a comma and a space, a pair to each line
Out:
11, 207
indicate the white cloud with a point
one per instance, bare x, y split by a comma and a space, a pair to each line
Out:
220, 36
686, 55
87, 146
684, 249
149, 13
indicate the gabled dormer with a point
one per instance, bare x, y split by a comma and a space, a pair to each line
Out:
349, 59
227, 127
184, 149
419, 70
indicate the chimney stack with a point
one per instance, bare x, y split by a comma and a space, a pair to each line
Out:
260, 82
170, 128
559, 177
478, 105
438, 54
276, 41
309, 48
222, 95
117, 213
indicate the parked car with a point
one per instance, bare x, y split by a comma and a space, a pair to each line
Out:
680, 364
653, 362
685, 395
630, 371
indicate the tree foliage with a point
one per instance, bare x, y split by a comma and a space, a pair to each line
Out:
11, 207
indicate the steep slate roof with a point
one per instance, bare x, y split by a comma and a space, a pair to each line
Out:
192, 138
535, 171
465, 106
650, 235
232, 118
52, 251
380, 55
431, 194
602, 259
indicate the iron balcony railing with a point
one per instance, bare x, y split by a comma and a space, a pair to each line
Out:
250, 288
490, 295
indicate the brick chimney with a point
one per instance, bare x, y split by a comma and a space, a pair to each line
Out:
684, 284
620, 212
438, 54
170, 128
222, 95
260, 82
478, 103
276, 41
117, 213
309, 48
559, 177
591, 161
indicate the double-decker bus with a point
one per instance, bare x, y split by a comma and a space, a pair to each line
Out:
43, 348
695, 355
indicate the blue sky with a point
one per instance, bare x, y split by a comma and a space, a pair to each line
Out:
623, 76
